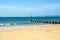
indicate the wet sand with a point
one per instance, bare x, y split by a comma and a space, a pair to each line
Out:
32, 33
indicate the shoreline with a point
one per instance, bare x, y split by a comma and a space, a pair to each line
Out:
28, 26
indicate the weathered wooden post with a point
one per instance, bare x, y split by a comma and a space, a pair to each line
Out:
31, 19
58, 22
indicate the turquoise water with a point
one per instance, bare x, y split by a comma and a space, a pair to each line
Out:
25, 20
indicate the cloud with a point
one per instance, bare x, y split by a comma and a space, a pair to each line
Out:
18, 8
41, 9
31, 9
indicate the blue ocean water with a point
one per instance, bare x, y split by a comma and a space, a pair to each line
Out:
14, 21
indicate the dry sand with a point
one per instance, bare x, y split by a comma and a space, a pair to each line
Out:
32, 33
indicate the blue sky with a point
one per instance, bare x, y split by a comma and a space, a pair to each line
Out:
18, 8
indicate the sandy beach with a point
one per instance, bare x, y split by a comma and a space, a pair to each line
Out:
32, 33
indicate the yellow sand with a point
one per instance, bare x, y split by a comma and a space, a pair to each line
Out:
33, 33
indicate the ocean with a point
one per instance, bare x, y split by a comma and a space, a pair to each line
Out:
25, 21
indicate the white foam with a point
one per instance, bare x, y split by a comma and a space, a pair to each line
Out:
1, 24
7, 24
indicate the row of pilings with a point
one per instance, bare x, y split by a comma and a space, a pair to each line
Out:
46, 22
